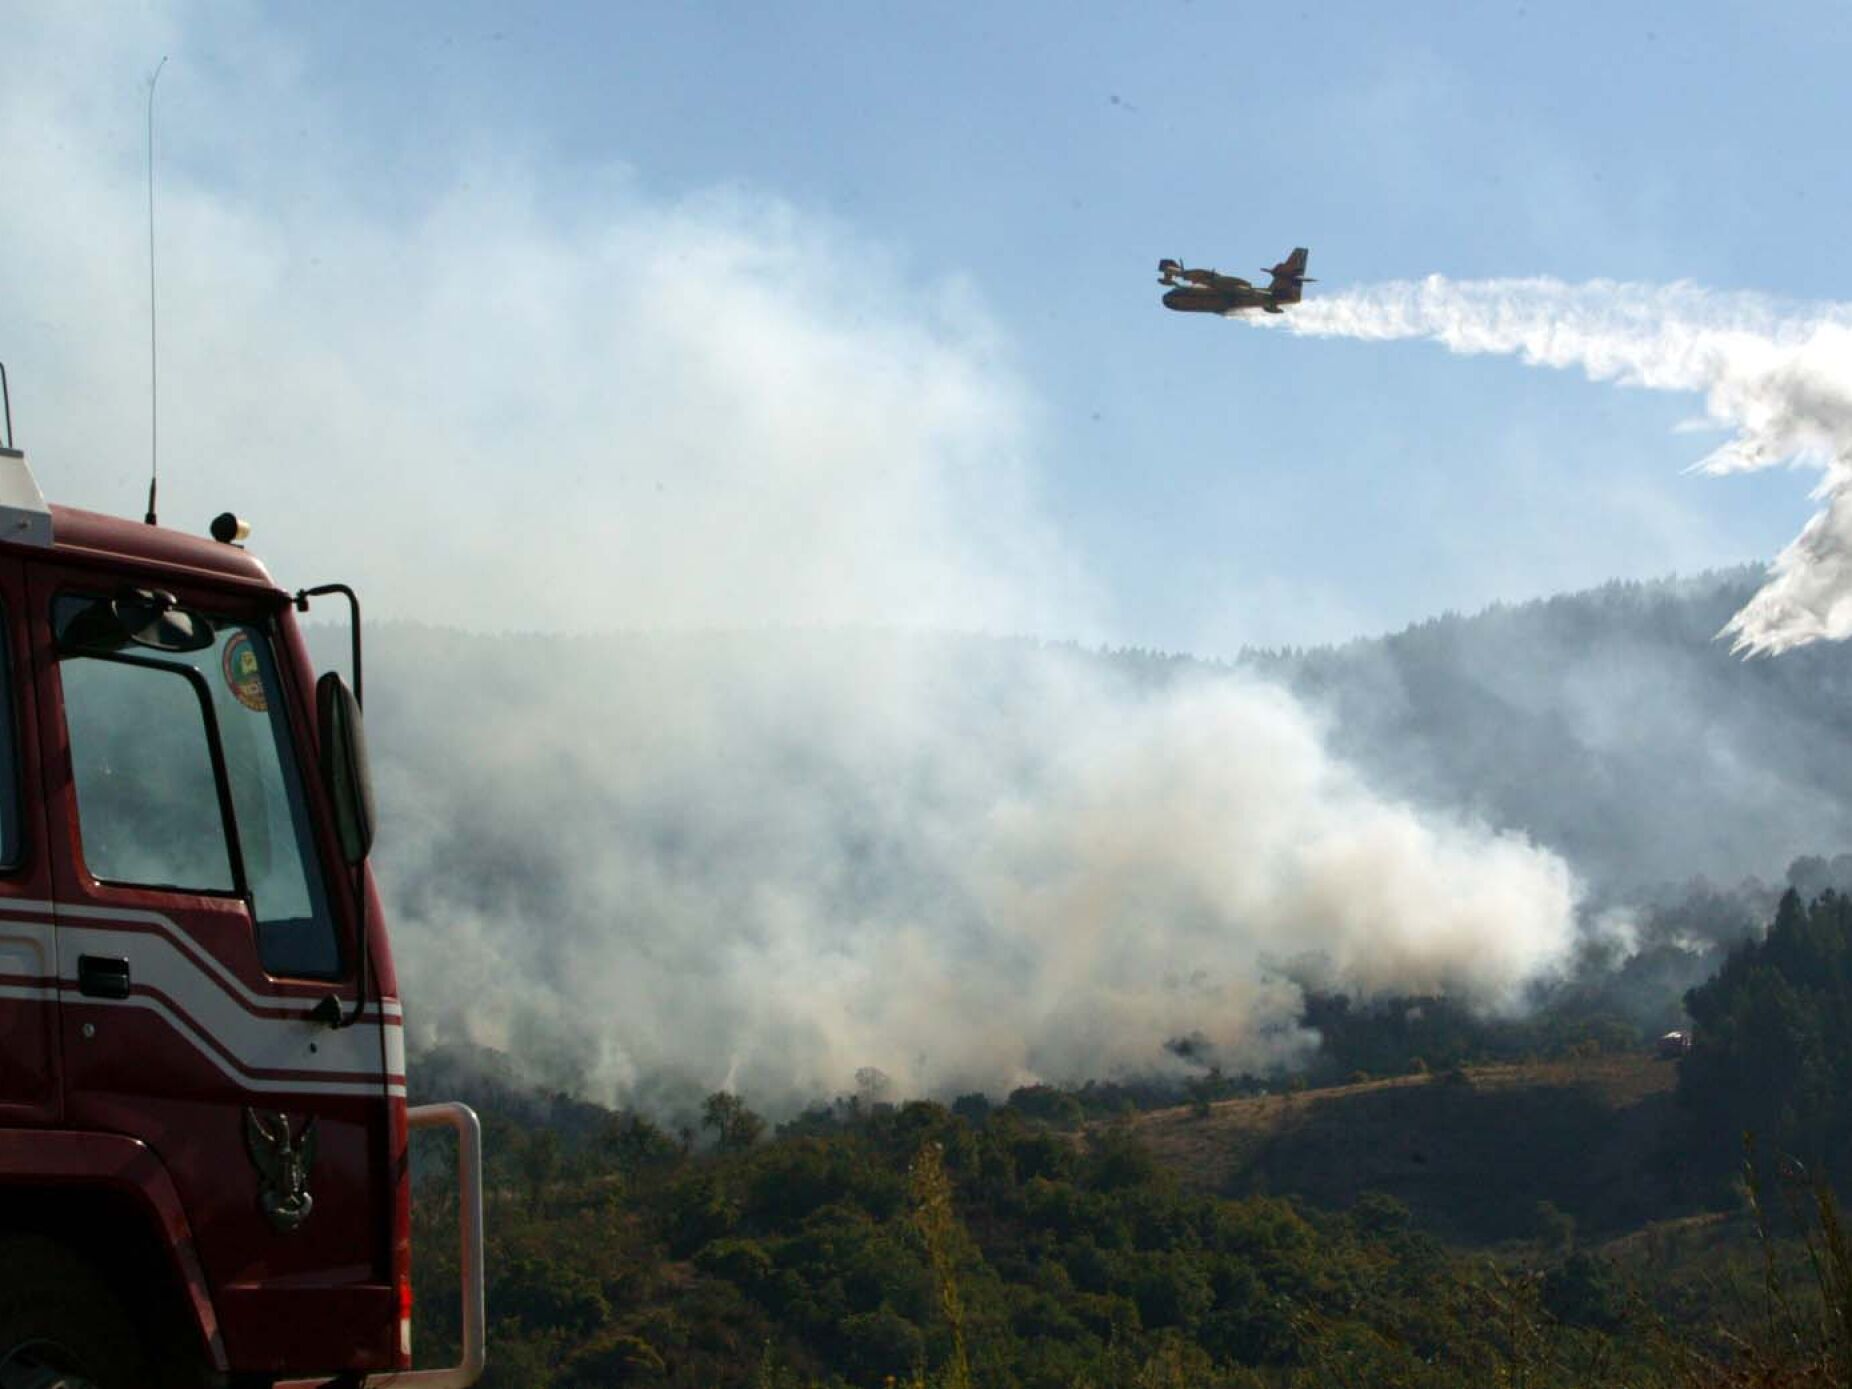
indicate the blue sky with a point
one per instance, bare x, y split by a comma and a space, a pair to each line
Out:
1213, 484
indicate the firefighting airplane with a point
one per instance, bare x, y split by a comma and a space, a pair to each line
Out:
1204, 291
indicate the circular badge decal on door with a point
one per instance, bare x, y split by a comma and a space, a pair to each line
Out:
243, 676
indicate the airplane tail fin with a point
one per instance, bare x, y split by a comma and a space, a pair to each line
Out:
1288, 276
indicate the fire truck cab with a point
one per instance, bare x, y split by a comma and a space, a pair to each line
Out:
204, 1135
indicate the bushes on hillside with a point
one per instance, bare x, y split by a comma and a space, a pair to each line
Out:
1772, 1053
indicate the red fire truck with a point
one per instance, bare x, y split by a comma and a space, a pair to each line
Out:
204, 1135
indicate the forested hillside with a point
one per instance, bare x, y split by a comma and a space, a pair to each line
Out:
1774, 1052
870, 1244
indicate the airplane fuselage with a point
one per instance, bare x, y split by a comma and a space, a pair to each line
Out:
1191, 299
1207, 291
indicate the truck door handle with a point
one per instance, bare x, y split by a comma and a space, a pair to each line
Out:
102, 976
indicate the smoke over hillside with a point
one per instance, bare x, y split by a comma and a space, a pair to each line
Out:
1610, 725
651, 864
1778, 377
658, 864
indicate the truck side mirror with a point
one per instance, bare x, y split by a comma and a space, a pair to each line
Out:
146, 617
344, 768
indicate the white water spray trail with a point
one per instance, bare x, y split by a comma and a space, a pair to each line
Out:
1779, 376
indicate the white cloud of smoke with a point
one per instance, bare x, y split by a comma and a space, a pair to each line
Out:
515, 404
1779, 378
771, 861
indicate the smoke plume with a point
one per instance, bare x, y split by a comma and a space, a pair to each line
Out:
1779, 378
674, 862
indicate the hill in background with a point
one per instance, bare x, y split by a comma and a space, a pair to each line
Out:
1611, 725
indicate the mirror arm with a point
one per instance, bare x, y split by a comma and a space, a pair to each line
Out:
360, 949
353, 602
340, 732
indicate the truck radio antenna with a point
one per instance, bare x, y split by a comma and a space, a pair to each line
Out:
154, 379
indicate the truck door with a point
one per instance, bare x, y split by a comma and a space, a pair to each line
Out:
29, 1082
197, 934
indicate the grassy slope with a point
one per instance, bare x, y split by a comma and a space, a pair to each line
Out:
1471, 1157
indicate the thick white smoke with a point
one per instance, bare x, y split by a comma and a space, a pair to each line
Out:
770, 861
1779, 377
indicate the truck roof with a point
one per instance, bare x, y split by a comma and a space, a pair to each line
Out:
77, 534
29, 526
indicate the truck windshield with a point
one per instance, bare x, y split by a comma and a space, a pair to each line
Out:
149, 735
